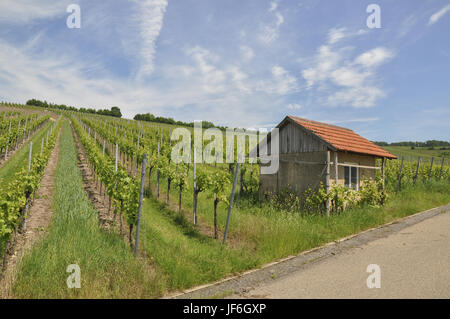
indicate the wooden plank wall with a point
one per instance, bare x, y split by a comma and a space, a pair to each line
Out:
293, 139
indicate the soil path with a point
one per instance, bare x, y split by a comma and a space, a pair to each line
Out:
37, 222
100, 200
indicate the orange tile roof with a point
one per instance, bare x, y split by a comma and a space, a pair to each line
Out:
343, 139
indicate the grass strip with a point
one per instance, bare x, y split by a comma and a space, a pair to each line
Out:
108, 267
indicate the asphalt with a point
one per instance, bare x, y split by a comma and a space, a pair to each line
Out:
413, 256
413, 263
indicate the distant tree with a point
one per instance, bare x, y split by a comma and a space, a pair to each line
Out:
115, 111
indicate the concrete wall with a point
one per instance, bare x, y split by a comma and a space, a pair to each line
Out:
299, 177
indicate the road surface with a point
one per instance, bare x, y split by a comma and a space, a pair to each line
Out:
413, 263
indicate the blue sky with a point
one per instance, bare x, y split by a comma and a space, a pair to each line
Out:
244, 63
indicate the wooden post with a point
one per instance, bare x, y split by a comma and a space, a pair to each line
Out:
417, 170
157, 178
29, 156
327, 182
141, 196
137, 154
117, 157
442, 166
400, 175
383, 167
7, 144
195, 188
236, 173
42, 145
103, 152
336, 170
431, 168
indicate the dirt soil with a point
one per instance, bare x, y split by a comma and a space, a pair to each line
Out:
99, 200
37, 223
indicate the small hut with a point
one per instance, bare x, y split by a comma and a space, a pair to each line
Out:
312, 152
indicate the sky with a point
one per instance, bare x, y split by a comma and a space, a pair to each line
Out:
238, 63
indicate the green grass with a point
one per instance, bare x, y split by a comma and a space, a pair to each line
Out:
260, 234
413, 155
108, 267
186, 256
20, 158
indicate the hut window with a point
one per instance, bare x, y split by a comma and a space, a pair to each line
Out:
351, 177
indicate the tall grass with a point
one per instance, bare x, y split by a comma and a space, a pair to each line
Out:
108, 267
261, 233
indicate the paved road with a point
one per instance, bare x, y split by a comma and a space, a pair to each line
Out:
414, 263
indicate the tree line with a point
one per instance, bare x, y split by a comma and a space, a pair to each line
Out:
114, 111
429, 143
168, 120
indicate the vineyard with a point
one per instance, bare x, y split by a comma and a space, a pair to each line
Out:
141, 225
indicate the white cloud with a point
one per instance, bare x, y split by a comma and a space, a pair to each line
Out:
270, 31
247, 53
151, 21
407, 25
27, 11
334, 35
354, 120
359, 96
351, 80
438, 15
282, 82
374, 57
346, 76
273, 6
239, 77
325, 61
213, 77
294, 106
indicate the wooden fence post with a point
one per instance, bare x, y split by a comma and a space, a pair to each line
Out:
442, 166
157, 178
336, 168
117, 158
236, 173
327, 182
195, 187
417, 170
431, 168
29, 156
141, 196
400, 175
